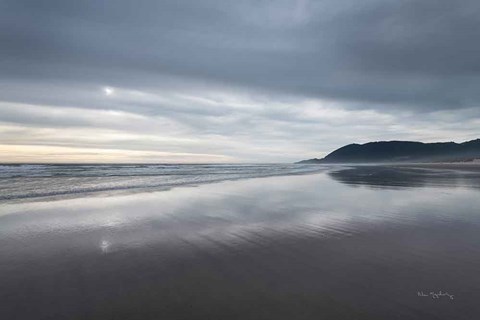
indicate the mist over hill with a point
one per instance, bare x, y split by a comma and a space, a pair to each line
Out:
402, 151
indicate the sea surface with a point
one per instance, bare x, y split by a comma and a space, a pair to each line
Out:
239, 242
21, 181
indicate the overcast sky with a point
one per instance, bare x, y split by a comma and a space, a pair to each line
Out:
232, 81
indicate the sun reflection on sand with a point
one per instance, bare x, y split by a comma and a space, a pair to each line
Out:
104, 246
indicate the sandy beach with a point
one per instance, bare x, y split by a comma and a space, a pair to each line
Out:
347, 243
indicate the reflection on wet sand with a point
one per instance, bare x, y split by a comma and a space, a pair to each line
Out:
297, 247
407, 176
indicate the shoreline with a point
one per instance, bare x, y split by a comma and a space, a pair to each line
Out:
467, 167
38, 188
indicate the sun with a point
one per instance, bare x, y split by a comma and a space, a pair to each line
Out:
108, 91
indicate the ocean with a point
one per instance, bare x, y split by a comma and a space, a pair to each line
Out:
26, 181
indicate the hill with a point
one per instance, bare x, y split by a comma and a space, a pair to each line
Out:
402, 151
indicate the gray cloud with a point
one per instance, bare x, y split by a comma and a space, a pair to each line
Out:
255, 76
420, 53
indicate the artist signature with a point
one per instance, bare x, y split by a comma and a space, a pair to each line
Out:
435, 295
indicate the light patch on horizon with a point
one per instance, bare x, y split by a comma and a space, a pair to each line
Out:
57, 154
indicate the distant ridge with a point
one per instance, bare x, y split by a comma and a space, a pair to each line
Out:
402, 151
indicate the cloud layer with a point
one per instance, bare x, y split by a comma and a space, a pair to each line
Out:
228, 81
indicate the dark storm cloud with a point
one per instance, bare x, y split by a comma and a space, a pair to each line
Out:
416, 54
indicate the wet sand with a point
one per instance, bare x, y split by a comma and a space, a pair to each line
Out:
463, 166
351, 243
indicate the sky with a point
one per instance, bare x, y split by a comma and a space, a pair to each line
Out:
163, 81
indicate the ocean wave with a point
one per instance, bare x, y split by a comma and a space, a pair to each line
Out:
37, 181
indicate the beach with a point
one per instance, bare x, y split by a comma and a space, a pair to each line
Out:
339, 242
